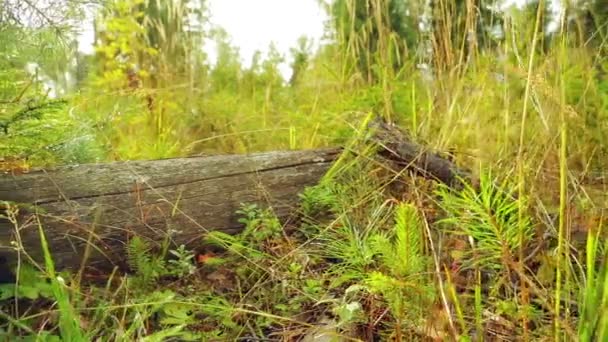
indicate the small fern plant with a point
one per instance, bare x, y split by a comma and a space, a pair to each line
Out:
147, 266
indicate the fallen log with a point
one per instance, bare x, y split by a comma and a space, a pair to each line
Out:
92, 210
102, 205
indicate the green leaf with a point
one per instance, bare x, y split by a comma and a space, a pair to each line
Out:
348, 312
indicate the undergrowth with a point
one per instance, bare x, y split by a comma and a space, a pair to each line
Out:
362, 263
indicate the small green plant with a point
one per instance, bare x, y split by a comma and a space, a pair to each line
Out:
350, 245
349, 312
32, 285
490, 217
183, 264
401, 249
148, 266
400, 277
260, 224
318, 200
594, 295
69, 320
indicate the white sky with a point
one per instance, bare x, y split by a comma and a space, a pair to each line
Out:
253, 25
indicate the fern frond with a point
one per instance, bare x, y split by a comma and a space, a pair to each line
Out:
138, 253
140, 259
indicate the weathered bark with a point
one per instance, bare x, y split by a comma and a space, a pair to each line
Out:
102, 205
93, 209
398, 147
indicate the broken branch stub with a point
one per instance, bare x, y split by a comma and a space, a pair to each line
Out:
398, 147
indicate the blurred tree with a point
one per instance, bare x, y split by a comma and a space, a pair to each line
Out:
300, 55
519, 26
38, 37
586, 26
375, 33
530, 11
588, 20
37, 61
174, 29
227, 72
160, 40
271, 75
460, 28
153, 49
